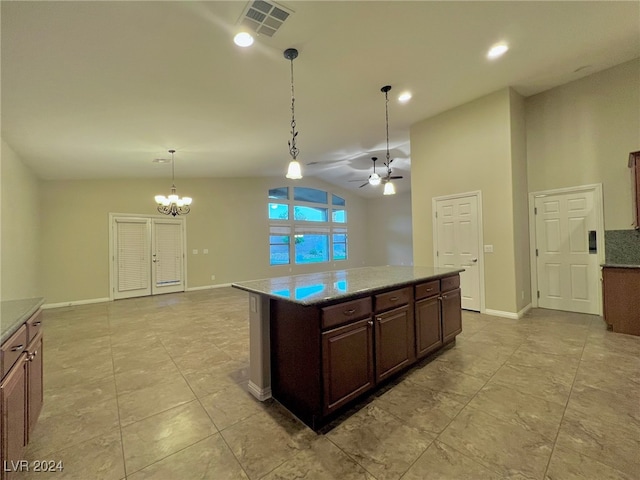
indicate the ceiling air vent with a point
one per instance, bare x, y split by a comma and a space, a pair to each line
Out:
264, 18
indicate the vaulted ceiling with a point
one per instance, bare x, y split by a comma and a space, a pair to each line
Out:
101, 89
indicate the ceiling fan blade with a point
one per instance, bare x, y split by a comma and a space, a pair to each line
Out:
396, 177
364, 185
360, 180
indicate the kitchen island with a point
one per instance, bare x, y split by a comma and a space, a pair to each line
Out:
319, 341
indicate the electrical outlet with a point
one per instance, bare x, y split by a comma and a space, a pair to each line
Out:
205, 251
194, 251
213, 277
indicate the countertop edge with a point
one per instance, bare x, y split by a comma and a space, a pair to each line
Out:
362, 292
15, 324
618, 265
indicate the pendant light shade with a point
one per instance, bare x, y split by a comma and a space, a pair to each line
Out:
389, 188
294, 171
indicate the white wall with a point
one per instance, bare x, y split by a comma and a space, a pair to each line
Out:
20, 224
582, 132
389, 231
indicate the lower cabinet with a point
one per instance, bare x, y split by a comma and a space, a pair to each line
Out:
347, 358
428, 326
394, 341
451, 315
21, 393
14, 413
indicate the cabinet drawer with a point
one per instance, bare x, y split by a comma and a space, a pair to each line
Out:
393, 299
346, 312
450, 283
428, 289
34, 324
13, 348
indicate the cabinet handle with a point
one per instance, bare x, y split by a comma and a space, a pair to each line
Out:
393, 299
370, 322
429, 289
444, 297
379, 319
17, 348
37, 323
350, 311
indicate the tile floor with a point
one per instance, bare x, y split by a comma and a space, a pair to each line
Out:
155, 388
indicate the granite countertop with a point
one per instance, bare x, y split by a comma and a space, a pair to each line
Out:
323, 287
14, 313
618, 265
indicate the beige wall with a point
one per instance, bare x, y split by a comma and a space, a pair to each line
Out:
582, 132
20, 224
228, 218
389, 238
520, 201
461, 150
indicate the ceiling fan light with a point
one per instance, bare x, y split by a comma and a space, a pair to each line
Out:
389, 189
294, 172
374, 179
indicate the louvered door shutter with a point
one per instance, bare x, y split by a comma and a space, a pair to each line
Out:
168, 251
134, 272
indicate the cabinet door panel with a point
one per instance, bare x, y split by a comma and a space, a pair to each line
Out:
35, 382
13, 393
428, 327
395, 347
451, 315
347, 363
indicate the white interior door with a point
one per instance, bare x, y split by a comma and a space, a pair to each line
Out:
131, 260
457, 243
567, 270
167, 264
148, 256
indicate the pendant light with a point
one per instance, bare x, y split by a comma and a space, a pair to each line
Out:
389, 188
294, 172
173, 204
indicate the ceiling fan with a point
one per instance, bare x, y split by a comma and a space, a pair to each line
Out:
375, 179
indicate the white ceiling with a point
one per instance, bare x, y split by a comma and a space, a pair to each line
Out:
100, 89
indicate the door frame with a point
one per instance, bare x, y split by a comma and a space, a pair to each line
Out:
478, 195
112, 216
598, 203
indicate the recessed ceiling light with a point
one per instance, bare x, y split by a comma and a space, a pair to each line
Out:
243, 39
497, 50
161, 160
404, 97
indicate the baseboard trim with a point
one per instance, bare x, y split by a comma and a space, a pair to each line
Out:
261, 394
512, 315
75, 302
208, 287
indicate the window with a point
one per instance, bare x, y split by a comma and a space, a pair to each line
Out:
317, 221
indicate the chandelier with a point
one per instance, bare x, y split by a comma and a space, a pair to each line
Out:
294, 172
173, 204
389, 187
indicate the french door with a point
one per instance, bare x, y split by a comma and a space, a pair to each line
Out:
457, 242
147, 256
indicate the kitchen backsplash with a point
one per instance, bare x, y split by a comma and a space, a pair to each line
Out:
622, 247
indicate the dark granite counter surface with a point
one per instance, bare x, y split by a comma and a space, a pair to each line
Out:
14, 313
618, 265
325, 287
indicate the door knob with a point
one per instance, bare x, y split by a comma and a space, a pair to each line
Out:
474, 260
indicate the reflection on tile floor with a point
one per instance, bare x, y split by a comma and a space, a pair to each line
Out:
155, 388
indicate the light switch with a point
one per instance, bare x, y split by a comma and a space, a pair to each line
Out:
195, 251
205, 251
488, 249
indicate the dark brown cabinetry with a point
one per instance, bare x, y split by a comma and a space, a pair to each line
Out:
634, 164
21, 392
323, 357
622, 299
347, 361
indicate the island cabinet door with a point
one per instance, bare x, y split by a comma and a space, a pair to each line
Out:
347, 357
428, 327
395, 346
451, 315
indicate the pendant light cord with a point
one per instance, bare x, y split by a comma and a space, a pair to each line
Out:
386, 111
293, 150
173, 170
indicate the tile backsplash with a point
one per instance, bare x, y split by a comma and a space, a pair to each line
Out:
622, 246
